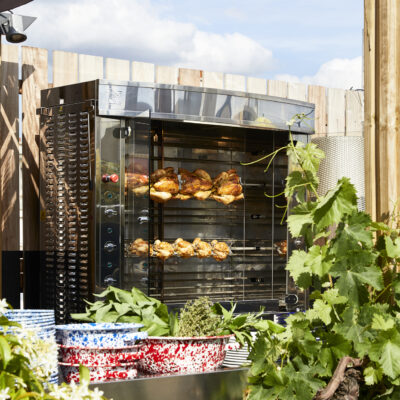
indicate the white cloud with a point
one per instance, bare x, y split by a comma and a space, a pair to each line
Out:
338, 73
137, 30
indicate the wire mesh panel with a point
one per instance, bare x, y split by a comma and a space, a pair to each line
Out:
66, 165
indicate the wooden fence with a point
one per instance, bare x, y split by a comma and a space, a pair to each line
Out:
338, 112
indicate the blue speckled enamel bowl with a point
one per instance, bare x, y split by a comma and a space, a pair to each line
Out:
99, 334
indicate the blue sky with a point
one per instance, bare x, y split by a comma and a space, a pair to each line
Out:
314, 41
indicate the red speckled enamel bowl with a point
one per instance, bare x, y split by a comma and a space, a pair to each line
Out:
99, 356
182, 355
70, 372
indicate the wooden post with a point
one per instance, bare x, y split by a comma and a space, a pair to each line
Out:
382, 104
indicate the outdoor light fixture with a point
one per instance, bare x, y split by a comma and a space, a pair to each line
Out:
13, 26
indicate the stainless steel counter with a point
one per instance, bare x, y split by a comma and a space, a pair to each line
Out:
226, 384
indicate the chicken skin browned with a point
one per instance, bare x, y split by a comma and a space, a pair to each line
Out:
202, 249
197, 184
140, 247
137, 183
164, 184
227, 187
220, 250
163, 250
183, 248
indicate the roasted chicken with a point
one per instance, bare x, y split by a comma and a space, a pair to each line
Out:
140, 247
202, 249
163, 250
183, 248
281, 248
197, 184
137, 183
164, 184
220, 250
227, 187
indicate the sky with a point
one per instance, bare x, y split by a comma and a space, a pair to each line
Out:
310, 41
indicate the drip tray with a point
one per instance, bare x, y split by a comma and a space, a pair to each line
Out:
224, 384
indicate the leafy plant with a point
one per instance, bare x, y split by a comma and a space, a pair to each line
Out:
354, 274
198, 319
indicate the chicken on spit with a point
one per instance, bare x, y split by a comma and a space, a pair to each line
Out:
227, 187
164, 184
163, 250
197, 184
183, 248
140, 247
137, 183
220, 250
202, 249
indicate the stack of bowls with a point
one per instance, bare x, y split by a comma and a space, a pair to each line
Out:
42, 323
109, 350
237, 356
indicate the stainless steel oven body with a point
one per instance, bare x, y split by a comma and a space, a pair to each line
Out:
94, 134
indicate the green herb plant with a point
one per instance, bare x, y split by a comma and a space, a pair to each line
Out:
352, 265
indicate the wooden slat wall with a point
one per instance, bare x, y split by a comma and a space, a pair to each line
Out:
34, 78
65, 68
336, 112
317, 95
190, 77
143, 72
297, 91
90, 68
118, 69
9, 148
257, 85
235, 82
168, 75
213, 80
354, 112
277, 88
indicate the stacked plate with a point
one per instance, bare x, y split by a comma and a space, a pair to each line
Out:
110, 351
237, 358
42, 324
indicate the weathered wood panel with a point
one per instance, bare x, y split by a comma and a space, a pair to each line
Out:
167, 75
143, 72
277, 88
317, 95
213, 80
235, 82
190, 77
257, 85
34, 78
336, 112
65, 68
118, 69
90, 68
354, 112
9, 148
297, 91
369, 107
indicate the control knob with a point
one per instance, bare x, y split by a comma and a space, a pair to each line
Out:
109, 246
110, 178
110, 212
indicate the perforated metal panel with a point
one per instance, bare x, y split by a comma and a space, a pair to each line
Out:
344, 156
66, 166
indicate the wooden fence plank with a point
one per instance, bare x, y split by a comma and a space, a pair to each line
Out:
65, 68
34, 78
142, 72
317, 95
9, 147
257, 85
297, 91
354, 112
336, 112
90, 68
277, 88
190, 77
370, 52
168, 75
213, 80
235, 82
118, 69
